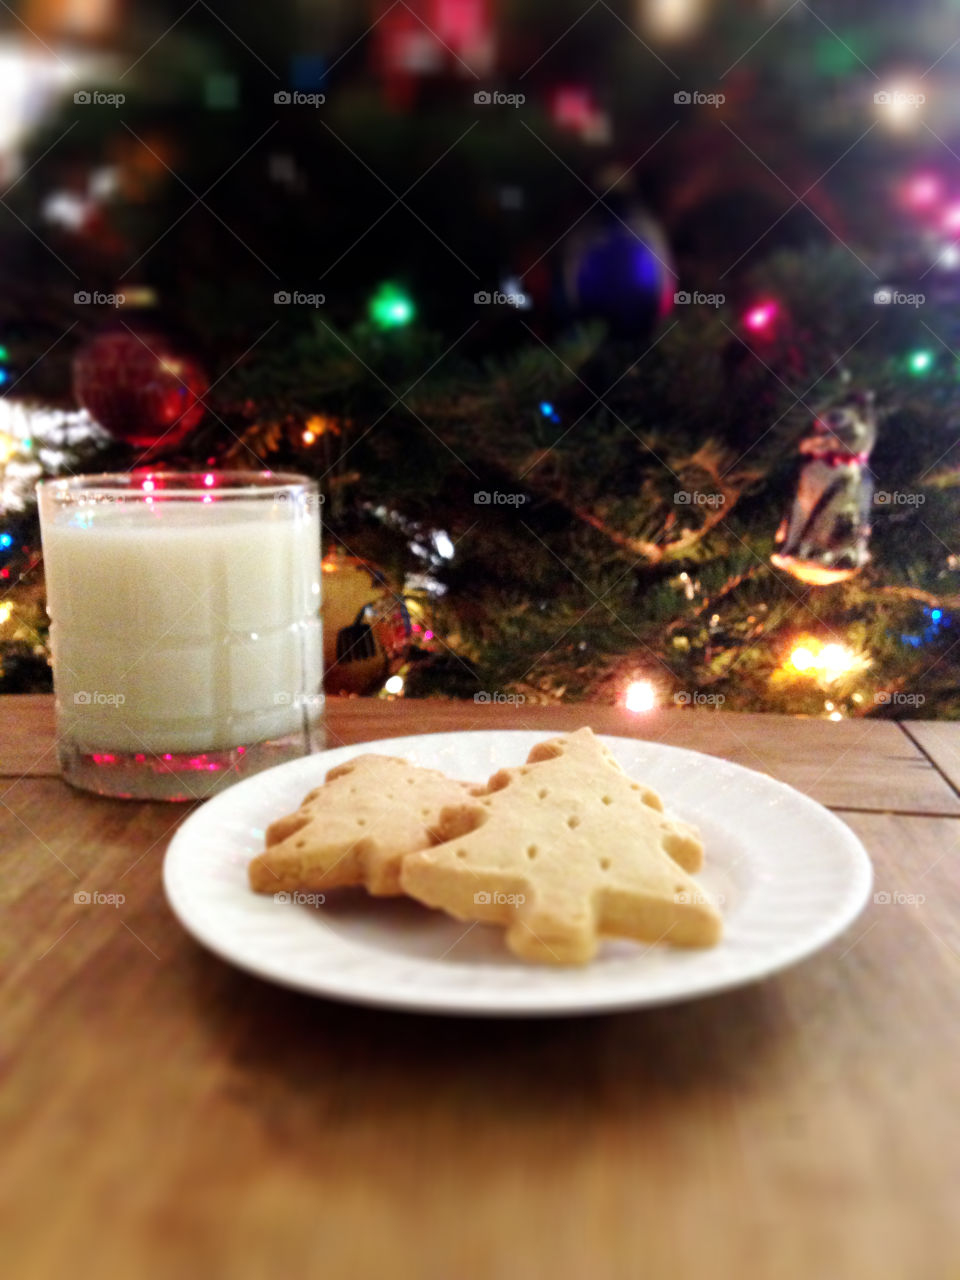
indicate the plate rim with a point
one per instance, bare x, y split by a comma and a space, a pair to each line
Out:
467, 1003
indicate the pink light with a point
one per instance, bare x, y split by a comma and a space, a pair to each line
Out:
922, 191
761, 317
209, 479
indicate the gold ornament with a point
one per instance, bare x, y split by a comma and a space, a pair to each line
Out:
366, 626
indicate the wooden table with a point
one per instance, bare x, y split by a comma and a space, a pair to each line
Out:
165, 1115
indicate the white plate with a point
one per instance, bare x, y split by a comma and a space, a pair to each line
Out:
791, 876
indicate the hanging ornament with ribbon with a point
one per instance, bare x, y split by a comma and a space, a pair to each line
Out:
825, 538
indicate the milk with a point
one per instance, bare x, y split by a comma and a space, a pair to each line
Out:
184, 625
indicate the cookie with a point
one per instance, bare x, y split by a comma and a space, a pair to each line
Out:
564, 850
356, 828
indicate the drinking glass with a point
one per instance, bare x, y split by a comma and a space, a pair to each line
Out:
185, 627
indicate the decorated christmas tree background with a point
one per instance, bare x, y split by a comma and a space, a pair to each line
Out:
621, 338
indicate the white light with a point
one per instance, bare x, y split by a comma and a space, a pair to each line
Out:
641, 696
66, 209
443, 545
31, 79
835, 660
394, 684
900, 105
104, 183
672, 19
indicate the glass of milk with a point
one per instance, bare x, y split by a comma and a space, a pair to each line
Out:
185, 627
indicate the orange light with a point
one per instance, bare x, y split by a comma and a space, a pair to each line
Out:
828, 661
318, 425
802, 659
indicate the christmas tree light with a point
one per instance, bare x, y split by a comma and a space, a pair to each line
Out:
920, 362
760, 318
640, 696
391, 308
922, 190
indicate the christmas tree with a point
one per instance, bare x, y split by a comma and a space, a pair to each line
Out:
591, 321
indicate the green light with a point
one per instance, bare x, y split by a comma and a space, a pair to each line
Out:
920, 362
391, 308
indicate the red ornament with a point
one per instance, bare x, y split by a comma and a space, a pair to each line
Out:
139, 389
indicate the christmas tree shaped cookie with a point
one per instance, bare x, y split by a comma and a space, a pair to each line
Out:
563, 851
356, 828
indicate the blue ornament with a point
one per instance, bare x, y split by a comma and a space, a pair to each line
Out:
620, 272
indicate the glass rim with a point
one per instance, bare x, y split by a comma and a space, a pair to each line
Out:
186, 483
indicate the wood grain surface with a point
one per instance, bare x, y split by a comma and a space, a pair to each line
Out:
162, 1114
854, 764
